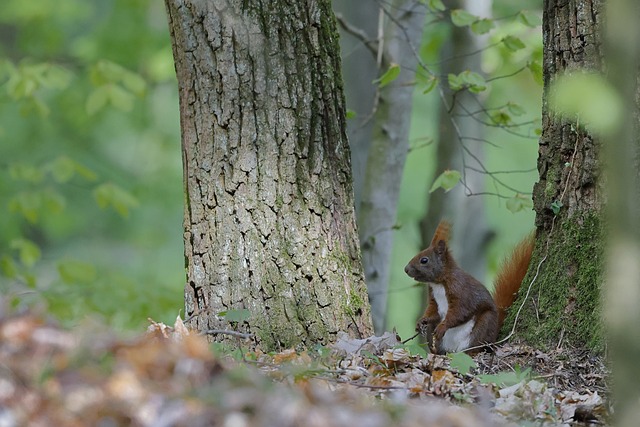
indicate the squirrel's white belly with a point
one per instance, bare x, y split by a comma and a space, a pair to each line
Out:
455, 339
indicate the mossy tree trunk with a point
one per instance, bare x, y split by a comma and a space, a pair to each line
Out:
563, 303
269, 218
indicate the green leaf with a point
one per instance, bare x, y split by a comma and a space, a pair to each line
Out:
436, 5
389, 76
482, 26
134, 83
28, 252
556, 206
530, 19
62, 169
536, 71
519, 202
25, 172
506, 379
351, 114
8, 267
416, 349
513, 43
55, 76
470, 80
97, 99
111, 195
589, 99
462, 18
462, 362
515, 109
77, 272
431, 84
120, 98
500, 117
27, 204
236, 315
53, 201
446, 180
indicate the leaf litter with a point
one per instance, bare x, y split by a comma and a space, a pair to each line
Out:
170, 376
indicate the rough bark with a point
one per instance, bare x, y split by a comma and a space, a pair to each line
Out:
269, 218
563, 305
471, 233
388, 151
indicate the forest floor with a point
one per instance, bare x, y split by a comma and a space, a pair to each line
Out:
171, 377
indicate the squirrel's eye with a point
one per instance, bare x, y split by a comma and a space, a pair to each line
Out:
424, 260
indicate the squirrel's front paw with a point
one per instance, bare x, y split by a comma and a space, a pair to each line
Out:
439, 332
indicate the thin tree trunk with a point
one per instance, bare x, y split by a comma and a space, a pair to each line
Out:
471, 234
269, 217
388, 152
359, 71
563, 303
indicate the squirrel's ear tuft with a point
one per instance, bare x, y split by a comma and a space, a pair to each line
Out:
441, 247
442, 232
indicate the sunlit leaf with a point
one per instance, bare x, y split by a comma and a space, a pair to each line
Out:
482, 26
446, 180
529, 18
462, 18
111, 195
470, 80
389, 76
97, 99
134, 83
28, 252
436, 5
351, 114
513, 43
519, 202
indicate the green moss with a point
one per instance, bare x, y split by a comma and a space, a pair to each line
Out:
565, 298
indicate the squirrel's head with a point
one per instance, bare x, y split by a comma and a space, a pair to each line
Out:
429, 265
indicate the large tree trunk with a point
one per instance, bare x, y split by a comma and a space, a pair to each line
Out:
269, 218
472, 234
563, 304
388, 151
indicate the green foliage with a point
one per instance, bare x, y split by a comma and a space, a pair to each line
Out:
87, 120
462, 362
519, 202
470, 80
389, 76
446, 180
506, 379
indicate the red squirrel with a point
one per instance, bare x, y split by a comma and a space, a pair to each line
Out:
461, 313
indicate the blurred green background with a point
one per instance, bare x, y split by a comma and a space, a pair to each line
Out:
90, 161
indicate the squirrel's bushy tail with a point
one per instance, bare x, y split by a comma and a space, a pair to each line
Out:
510, 276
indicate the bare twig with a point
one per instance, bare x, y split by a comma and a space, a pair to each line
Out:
226, 332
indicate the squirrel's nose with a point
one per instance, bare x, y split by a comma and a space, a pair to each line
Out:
407, 268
